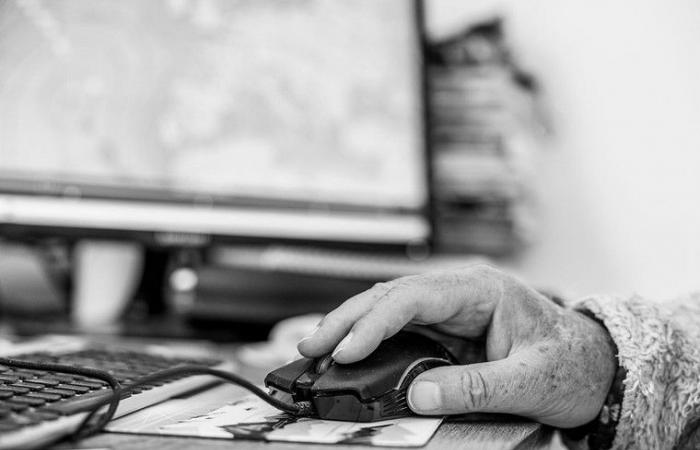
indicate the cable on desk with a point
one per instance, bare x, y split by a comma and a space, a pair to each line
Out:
303, 409
86, 428
75, 370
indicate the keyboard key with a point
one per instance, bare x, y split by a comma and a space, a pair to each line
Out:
62, 392
28, 385
73, 387
6, 394
15, 389
31, 401
9, 378
46, 381
26, 374
85, 402
46, 396
87, 384
63, 378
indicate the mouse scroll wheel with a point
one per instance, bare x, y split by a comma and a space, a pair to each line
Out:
323, 364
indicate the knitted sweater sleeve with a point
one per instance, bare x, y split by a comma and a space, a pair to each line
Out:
659, 346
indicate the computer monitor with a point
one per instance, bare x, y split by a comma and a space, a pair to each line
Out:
191, 121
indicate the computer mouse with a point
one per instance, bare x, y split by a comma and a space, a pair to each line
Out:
365, 391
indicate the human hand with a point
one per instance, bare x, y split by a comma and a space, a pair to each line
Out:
544, 362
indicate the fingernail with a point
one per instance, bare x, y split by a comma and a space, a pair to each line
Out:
424, 396
342, 344
310, 335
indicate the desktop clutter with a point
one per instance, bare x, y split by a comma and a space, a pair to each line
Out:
137, 324
79, 388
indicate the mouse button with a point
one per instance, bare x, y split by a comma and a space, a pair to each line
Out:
346, 378
367, 379
285, 377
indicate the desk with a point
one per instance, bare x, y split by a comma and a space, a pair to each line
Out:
463, 436
452, 434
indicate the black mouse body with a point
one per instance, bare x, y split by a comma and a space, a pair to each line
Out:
365, 391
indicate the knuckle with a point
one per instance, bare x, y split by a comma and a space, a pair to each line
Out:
382, 286
399, 286
475, 392
484, 272
483, 269
393, 284
392, 289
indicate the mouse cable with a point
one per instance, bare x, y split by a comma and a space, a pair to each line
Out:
87, 427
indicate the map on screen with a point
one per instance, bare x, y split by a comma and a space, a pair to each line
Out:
311, 100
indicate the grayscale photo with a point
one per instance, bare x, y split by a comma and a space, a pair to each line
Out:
345, 224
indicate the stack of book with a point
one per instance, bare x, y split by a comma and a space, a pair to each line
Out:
481, 130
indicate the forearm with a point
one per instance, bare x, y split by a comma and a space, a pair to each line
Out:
661, 354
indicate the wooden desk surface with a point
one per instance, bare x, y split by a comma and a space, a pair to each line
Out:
452, 434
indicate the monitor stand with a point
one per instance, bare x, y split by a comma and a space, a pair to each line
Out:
105, 277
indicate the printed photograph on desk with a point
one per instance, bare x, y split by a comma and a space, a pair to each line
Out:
252, 419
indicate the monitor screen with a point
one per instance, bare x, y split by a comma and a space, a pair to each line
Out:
299, 119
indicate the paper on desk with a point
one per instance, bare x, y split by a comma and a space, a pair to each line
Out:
251, 418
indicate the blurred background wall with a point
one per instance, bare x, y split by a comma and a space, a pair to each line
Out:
620, 187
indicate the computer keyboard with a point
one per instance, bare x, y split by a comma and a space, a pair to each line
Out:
38, 406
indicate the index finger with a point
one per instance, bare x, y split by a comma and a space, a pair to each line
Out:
368, 318
337, 323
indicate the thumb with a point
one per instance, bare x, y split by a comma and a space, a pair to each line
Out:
494, 387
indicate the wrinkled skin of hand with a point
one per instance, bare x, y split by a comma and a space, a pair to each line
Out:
544, 362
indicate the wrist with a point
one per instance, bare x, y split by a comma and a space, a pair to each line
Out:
600, 432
